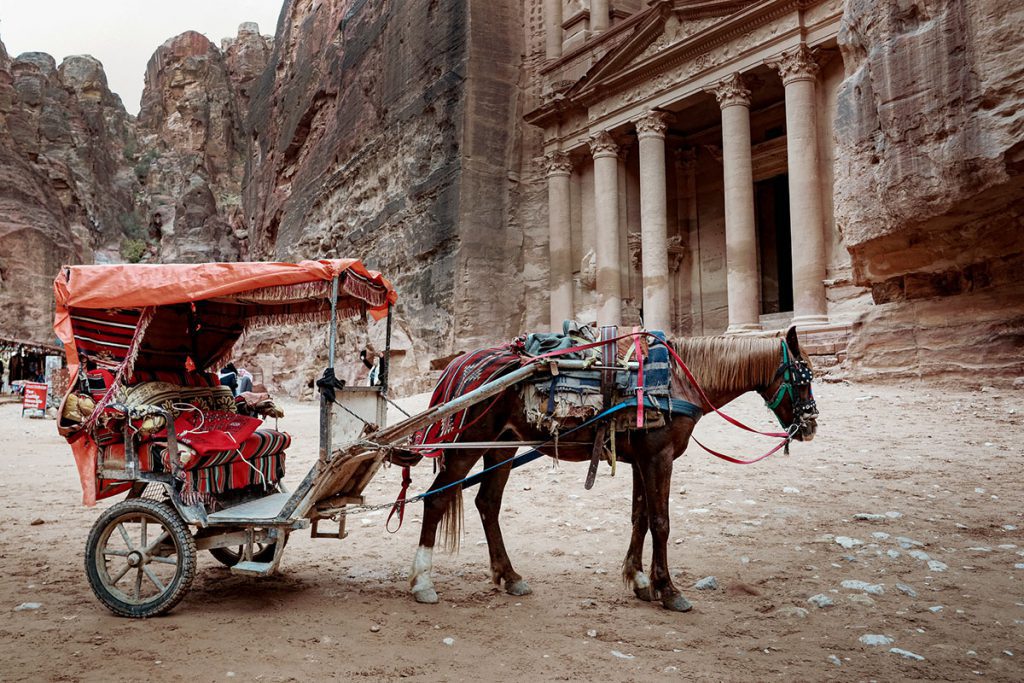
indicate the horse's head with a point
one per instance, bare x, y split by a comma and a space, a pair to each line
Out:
789, 394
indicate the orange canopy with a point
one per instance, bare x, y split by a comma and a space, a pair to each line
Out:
246, 288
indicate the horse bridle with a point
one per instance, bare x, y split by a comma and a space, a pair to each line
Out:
795, 373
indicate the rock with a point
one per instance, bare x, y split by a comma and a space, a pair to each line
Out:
936, 566
622, 655
835, 660
919, 555
874, 639
906, 654
872, 588
708, 583
28, 606
869, 517
821, 600
937, 228
592, 633
908, 590
588, 603
879, 535
37, 522
791, 612
375, 628
892, 514
848, 542
448, 640
1019, 565
790, 489
893, 554
907, 543
861, 600
935, 609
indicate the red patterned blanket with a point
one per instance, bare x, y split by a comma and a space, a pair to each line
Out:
464, 374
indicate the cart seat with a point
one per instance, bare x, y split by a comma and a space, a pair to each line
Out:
259, 460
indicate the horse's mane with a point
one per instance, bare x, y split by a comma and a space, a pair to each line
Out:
729, 363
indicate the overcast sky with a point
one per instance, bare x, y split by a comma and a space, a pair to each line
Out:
123, 33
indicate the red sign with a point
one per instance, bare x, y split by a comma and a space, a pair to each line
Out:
34, 399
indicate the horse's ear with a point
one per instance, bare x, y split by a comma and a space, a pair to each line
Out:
792, 342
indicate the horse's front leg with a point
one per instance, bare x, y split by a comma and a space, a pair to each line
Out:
488, 502
633, 566
657, 476
435, 508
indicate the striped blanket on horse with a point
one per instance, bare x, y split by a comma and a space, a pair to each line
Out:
466, 373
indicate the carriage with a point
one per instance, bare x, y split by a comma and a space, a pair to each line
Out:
198, 467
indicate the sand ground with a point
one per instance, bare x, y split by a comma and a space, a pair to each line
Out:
944, 469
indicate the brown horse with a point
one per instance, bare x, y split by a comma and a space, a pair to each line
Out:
726, 367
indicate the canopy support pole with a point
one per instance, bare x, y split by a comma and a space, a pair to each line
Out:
385, 362
325, 405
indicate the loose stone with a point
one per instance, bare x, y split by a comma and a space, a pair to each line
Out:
937, 566
848, 542
875, 639
906, 654
622, 655
904, 588
708, 583
869, 517
873, 588
821, 600
28, 606
835, 660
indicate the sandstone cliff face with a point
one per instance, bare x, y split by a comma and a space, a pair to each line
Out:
386, 131
929, 191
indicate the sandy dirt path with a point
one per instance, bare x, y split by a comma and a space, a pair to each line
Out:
944, 469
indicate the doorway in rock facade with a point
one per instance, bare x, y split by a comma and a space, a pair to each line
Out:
771, 197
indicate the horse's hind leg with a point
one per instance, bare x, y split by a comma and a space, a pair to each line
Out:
488, 502
633, 566
657, 476
435, 507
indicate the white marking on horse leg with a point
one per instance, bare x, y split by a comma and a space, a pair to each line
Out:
419, 576
641, 581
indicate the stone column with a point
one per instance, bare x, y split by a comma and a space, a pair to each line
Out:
559, 169
606, 206
553, 28
799, 72
650, 130
598, 16
740, 236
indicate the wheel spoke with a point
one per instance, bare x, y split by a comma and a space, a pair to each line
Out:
124, 535
138, 584
120, 575
115, 553
159, 539
155, 581
163, 560
143, 542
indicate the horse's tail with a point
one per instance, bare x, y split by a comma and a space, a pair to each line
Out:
451, 522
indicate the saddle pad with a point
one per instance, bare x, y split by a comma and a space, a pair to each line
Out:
657, 371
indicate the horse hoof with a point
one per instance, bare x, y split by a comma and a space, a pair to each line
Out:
427, 596
646, 593
677, 603
519, 587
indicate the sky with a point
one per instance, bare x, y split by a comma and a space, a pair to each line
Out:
123, 34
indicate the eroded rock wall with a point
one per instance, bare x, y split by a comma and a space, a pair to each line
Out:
929, 190
391, 132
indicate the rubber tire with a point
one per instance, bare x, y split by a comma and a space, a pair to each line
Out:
185, 548
229, 558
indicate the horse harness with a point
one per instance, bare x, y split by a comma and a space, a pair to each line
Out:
795, 373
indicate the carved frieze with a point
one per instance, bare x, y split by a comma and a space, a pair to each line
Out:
800, 64
674, 244
731, 90
557, 163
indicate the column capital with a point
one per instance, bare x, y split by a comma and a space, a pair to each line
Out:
731, 90
799, 64
653, 124
603, 145
557, 163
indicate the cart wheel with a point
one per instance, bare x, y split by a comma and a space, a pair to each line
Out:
140, 558
229, 557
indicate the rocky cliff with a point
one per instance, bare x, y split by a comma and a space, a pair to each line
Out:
929, 187
82, 181
387, 131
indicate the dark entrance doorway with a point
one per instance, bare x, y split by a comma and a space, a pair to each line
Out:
771, 197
